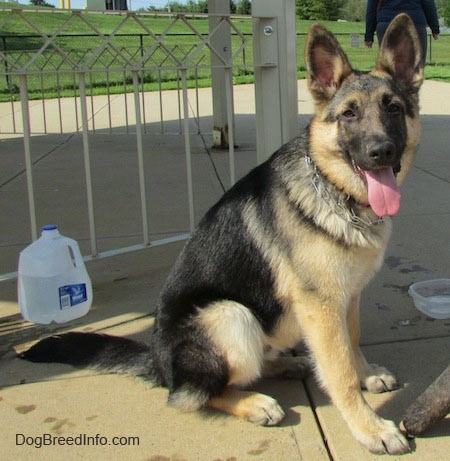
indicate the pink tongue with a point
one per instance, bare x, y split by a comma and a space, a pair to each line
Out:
384, 194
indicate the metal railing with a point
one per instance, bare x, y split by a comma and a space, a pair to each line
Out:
53, 63
51, 77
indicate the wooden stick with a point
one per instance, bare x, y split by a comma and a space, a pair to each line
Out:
430, 407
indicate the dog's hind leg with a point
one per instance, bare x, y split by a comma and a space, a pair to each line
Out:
252, 406
237, 336
286, 367
234, 357
373, 377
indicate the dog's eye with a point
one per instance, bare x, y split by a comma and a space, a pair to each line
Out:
349, 113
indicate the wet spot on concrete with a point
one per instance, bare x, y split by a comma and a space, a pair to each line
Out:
415, 268
166, 458
382, 307
394, 261
61, 424
24, 409
232, 458
262, 447
402, 288
120, 279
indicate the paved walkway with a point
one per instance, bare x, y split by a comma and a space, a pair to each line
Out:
41, 399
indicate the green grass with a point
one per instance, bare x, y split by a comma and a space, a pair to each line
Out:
160, 73
50, 20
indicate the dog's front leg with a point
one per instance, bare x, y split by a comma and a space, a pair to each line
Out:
373, 377
325, 328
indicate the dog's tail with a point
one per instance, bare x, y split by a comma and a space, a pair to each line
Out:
107, 353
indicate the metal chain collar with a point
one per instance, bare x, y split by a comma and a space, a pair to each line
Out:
339, 206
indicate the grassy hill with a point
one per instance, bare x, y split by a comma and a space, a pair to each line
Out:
50, 19
180, 37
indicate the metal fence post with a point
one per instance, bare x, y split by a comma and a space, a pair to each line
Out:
276, 100
87, 163
27, 151
140, 154
187, 148
221, 42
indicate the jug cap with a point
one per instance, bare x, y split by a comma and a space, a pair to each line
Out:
49, 227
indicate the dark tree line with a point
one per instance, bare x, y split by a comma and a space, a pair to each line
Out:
201, 6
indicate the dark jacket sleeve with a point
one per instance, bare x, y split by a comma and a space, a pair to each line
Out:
371, 20
429, 8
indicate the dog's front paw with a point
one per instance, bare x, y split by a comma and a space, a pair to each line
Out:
379, 380
385, 439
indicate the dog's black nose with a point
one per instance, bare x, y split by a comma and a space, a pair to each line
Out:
381, 153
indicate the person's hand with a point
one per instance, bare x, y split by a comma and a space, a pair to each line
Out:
368, 44
435, 36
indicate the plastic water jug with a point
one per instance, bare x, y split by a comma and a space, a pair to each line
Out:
53, 283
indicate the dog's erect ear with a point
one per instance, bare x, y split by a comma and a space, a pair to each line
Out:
326, 63
400, 53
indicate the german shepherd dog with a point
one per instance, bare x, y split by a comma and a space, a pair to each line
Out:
284, 255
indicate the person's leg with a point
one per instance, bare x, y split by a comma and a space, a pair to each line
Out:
381, 29
423, 37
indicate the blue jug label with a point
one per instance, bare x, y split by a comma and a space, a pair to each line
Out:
71, 295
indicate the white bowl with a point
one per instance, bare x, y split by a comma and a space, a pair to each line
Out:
432, 297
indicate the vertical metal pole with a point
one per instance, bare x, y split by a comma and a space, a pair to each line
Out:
58, 93
230, 112
27, 150
44, 118
125, 105
108, 94
276, 100
187, 147
140, 152
87, 162
180, 124
143, 117
161, 111
197, 102
221, 42
91, 97
75, 99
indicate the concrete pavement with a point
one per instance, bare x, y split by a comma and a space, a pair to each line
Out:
115, 417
